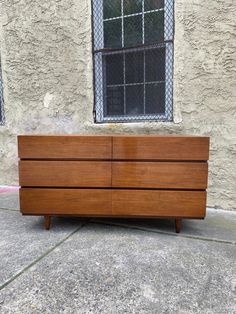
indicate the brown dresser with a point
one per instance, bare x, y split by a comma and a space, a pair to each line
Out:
113, 176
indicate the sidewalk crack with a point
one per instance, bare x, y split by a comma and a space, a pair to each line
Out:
162, 232
6, 283
11, 209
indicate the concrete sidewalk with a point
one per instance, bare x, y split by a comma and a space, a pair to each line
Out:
116, 266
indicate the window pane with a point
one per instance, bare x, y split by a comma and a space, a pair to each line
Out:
131, 77
134, 99
134, 67
114, 69
153, 4
111, 8
112, 34
115, 101
132, 30
154, 27
155, 65
132, 6
155, 98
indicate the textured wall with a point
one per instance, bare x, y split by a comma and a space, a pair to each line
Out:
47, 72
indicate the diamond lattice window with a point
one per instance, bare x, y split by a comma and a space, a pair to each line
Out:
133, 60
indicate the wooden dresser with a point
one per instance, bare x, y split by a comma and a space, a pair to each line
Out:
113, 176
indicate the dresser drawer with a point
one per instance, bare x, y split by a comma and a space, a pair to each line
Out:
161, 148
156, 203
45, 201
160, 175
64, 147
65, 173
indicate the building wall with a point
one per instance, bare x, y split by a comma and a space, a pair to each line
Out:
48, 80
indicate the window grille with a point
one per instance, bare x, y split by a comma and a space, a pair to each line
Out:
1, 99
133, 60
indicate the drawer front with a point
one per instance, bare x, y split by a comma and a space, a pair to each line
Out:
188, 204
161, 148
65, 173
64, 147
65, 201
162, 175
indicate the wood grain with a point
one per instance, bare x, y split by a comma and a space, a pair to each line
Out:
38, 201
161, 148
162, 175
185, 204
74, 175
64, 147
65, 173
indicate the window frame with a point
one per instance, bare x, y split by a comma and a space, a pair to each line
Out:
99, 51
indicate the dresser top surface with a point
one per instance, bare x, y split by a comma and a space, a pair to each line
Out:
113, 135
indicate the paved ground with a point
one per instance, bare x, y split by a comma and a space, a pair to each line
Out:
116, 266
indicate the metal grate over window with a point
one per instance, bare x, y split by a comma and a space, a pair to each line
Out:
1, 99
133, 60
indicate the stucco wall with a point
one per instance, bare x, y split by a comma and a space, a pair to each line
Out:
48, 88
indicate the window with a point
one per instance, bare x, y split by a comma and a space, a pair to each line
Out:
133, 52
1, 98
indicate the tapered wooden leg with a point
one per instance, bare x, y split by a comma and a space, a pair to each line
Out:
178, 223
47, 222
